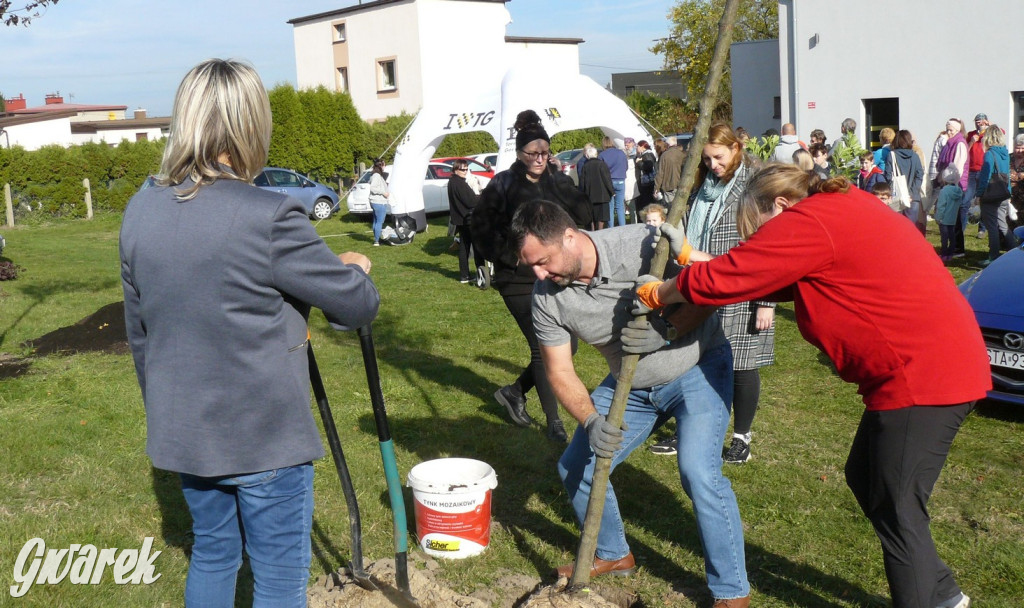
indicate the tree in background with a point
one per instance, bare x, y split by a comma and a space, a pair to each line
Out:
689, 46
334, 132
28, 10
667, 115
289, 139
380, 137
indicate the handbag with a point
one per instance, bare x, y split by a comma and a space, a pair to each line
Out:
900, 190
998, 189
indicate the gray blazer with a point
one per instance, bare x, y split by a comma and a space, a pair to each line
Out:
217, 291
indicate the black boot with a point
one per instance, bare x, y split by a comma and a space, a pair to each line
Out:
515, 403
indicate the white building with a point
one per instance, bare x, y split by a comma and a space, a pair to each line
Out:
910, 64
392, 56
33, 131
62, 124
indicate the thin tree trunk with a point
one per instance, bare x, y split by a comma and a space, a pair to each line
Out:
602, 469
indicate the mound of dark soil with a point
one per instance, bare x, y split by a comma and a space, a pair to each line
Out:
102, 331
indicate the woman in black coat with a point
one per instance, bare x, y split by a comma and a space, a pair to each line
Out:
461, 201
529, 178
596, 183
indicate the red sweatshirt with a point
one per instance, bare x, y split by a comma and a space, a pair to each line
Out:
868, 291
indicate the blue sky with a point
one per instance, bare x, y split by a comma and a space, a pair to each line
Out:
126, 52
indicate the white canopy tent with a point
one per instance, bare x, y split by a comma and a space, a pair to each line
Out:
564, 103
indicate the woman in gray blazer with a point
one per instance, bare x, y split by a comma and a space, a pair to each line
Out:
219, 277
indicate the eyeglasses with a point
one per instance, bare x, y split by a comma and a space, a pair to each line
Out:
535, 156
462, 168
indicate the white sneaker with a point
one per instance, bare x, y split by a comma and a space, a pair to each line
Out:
959, 601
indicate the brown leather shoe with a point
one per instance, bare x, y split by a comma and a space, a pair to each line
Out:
739, 602
621, 567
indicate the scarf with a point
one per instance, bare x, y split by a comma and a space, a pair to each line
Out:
949, 151
707, 209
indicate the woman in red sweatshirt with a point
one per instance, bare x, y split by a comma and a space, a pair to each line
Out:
873, 296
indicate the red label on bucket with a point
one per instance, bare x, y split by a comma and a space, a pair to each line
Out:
465, 516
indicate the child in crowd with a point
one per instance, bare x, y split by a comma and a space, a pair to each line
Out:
654, 215
883, 191
947, 207
869, 174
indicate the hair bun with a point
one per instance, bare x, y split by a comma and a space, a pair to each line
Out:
525, 119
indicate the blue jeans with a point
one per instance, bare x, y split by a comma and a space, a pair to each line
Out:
699, 401
380, 211
271, 513
618, 204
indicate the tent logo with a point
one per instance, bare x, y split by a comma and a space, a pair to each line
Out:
469, 119
553, 114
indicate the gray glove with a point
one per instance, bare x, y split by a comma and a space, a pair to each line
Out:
604, 438
676, 238
639, 337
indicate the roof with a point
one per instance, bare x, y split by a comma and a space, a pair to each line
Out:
93, 126
359, 7
11, 119
536, 40
67, 107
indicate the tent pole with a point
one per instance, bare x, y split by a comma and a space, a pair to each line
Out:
602, 469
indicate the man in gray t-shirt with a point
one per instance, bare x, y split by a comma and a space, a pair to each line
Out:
585, 289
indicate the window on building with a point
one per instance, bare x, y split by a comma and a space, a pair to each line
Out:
777, 107
387, 75
141, 137
341, 80
339, 32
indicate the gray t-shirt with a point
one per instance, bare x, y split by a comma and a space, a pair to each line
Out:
596, 311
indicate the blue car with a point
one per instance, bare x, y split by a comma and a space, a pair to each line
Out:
997, 296
320, 200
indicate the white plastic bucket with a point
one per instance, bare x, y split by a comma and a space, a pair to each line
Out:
453, 505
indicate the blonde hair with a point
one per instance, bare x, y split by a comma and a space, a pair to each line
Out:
655, 208
802, 158
221, 107
886, 135
774, 180
993, 137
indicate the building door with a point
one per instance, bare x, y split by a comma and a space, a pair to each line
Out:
879, 114
1018, 113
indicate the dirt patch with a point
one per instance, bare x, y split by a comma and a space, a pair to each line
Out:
102, 331
12, 367
512, 590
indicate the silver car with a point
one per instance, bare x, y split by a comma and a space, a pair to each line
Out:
320, 200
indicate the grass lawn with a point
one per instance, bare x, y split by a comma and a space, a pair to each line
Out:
72, 437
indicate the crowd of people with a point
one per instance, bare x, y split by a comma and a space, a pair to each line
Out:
242, 441
711, 329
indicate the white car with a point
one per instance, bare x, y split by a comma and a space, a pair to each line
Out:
490, 158
435, 190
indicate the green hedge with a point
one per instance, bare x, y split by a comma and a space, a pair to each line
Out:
50, 179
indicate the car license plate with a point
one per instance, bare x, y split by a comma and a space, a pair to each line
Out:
1006, 358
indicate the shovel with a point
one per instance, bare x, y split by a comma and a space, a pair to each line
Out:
356, 565
387, 453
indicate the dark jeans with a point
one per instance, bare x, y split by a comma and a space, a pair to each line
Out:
946, 236
521, 307
993, 218
465, 245
746, 391
894, 462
